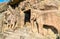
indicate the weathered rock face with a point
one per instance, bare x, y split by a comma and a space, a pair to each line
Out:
46, 15
3, 7
31, 19
48, 18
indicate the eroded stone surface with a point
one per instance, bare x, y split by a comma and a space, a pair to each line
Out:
44, 20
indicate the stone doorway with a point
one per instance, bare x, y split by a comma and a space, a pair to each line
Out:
27, 16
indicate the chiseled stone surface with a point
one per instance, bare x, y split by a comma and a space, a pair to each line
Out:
30, 19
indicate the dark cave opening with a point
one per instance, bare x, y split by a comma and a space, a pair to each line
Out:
51, 27
27, 15
15, 3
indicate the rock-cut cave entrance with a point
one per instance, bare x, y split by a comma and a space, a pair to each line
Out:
27, 15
